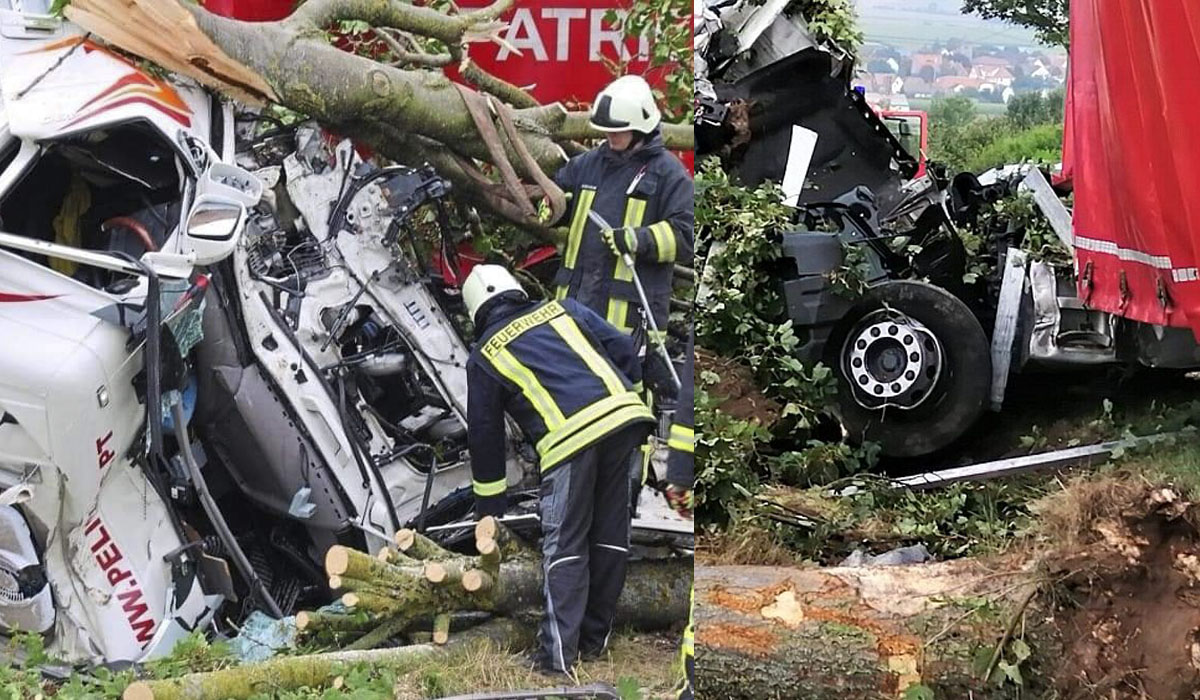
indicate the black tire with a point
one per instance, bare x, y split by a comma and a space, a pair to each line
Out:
953, 403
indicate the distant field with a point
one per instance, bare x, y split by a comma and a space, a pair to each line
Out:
985, 109
913, 30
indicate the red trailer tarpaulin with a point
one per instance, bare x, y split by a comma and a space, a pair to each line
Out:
1133, 152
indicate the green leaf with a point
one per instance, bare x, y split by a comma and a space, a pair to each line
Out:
629, 689
1020, 649
919, 692
1011, 671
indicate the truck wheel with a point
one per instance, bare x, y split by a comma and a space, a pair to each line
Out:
913, 368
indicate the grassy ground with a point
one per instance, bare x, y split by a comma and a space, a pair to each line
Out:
640, 667
985, 109
824, 524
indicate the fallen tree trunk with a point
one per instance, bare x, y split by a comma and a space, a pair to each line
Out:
841, 633
313, 671
390, 592
1102, 600
406, 108
655, 597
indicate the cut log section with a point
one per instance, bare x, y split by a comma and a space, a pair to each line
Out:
418, 546
477, 581
766, 633
511, 546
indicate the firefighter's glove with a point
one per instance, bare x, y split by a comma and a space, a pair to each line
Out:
543, 211
681, 500
622, 241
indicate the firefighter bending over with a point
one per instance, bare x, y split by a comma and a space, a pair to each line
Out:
566, 377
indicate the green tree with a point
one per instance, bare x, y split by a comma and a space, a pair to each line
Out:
1032, 108
830, 20
395, 97
949, 113
1048, 18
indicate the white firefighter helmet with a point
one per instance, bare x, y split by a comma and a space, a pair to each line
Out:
487, 282
627, 104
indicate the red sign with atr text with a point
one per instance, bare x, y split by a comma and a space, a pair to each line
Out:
561, 50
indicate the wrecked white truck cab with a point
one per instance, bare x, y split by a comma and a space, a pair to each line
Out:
220, 353
115, 188
109, 195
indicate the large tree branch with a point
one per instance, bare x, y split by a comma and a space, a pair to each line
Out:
318, 14
335, 87
291, 62
574, 126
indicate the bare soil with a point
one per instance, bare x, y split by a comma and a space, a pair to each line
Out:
739, 397
1128, 606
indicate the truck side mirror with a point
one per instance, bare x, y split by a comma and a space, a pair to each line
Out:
213, 228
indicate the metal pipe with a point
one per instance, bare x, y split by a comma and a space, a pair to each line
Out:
214, 514
655, 336
1025, 463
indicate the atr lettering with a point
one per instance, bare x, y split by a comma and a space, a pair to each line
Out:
108, 557
526, 33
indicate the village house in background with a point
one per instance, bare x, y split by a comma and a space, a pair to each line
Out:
901, 68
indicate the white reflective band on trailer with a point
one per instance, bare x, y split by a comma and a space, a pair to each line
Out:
1096, 245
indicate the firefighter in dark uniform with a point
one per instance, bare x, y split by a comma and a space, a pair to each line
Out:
635, 184
681, 476
566, 376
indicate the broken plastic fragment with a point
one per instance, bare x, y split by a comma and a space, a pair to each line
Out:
301, 506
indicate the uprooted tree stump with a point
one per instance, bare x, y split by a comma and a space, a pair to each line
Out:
1103, 602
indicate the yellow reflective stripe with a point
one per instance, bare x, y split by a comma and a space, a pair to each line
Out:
489, 488
689, 634
519, 374
561, 293
618, 309
569, 331
594, 432
578, 223
647, 456
664, 241
585, 417
618, 314
516, 327
635, 211
582, 417
682, 438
